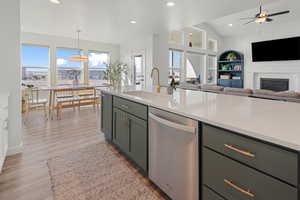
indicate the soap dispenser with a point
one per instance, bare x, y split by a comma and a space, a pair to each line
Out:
172, 86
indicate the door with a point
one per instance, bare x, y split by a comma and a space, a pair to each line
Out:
138, 141
121, 130
139, 71
106, 116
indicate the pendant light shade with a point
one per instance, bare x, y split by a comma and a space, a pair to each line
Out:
78, 57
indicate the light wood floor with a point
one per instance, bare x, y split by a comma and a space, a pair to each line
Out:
25, 176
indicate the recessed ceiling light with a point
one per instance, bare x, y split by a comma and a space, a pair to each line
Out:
170, 3
55, 1
133, 22
231, 25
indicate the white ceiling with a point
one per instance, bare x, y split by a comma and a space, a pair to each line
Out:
108, 20
221, 25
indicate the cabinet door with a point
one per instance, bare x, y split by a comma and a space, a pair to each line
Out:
224, 82
237, 83
106, 116
138, 141
121, 130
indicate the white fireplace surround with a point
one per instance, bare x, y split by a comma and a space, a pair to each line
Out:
293, 79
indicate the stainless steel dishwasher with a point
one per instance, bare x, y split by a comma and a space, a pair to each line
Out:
173, 154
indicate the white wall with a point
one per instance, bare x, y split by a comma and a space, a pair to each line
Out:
243, 44
212, 34
154, 48
55, 42
161, 55
138, 46
10, 71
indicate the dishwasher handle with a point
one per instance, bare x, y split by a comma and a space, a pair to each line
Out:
188, 129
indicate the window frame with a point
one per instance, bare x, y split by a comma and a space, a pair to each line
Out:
82, 67
97, 68
49, 74
171, 65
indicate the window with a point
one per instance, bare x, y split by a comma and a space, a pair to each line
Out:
212, 69
68, 71
195, 65
35, 65
98, 63
175, 62
138, 70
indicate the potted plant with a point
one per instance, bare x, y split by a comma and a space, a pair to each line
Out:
114, 73
231, 56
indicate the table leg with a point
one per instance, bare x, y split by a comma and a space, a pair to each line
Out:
50, 104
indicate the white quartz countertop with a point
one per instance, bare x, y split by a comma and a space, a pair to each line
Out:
272, 121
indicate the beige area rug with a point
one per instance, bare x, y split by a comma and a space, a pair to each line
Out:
98, 172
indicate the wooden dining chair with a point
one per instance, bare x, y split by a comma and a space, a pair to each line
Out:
64, 98
87, 97
34, 102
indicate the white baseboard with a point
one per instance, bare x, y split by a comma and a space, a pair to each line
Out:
1, 163
15, 150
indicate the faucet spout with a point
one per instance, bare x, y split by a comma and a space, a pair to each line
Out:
152, 73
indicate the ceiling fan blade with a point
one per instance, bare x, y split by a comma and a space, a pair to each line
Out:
269, 20
279, 13
249, 22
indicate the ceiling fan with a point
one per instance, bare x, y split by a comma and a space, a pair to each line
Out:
263, 16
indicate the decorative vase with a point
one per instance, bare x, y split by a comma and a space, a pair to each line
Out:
116, 84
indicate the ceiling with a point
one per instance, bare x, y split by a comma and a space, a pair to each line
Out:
221, 25
108, 20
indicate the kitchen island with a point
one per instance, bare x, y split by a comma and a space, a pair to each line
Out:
253, 144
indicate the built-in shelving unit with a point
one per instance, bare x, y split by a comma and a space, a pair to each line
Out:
193, 40
231, 69
176, 38
212, 45
211, 77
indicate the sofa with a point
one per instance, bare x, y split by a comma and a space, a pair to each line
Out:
289, 96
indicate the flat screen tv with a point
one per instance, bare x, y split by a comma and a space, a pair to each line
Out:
276, 50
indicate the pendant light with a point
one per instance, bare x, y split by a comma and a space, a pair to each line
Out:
78, 58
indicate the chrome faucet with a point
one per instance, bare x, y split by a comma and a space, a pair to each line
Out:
152, 72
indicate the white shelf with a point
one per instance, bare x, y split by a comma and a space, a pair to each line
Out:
212, 45
176, 38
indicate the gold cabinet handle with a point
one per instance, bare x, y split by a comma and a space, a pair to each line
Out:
245, 153
246, 192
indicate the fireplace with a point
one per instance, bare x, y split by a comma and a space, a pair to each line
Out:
274, 84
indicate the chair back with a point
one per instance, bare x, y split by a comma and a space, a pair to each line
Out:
64, 92
87, 92
32, 95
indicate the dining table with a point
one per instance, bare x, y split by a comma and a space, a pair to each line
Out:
53, 89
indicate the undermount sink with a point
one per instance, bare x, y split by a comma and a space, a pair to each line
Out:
147, 95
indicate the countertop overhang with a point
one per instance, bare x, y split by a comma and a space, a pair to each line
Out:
268, 120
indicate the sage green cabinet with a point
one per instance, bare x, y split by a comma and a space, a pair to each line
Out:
210, 195
130, 133
238, 167
138, 141
121, 130
106, 115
